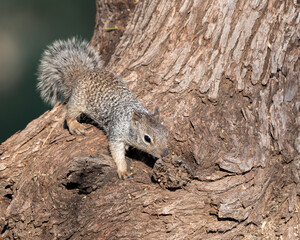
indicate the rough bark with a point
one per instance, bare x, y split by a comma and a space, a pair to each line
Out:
111, 20
225, 75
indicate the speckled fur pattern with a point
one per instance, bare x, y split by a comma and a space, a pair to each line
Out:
72, 70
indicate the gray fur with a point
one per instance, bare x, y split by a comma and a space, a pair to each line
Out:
61, 63
73, 70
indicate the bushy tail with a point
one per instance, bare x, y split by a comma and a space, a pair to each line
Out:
61, 63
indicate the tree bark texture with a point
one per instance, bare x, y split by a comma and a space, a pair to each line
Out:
225, 75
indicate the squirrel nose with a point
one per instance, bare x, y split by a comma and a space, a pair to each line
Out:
164, 152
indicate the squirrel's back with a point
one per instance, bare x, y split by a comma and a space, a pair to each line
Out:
60, 66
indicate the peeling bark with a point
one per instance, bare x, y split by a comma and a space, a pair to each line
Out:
225, 75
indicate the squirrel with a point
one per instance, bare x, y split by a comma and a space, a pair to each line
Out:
72, 71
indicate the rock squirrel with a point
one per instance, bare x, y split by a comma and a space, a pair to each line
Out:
72, 70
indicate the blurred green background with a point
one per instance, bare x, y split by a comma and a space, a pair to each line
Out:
26, 28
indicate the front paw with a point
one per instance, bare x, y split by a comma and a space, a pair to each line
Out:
124, 174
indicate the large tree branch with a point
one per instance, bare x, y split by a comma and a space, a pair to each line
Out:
226, 77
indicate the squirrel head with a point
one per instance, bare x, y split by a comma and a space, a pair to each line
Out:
148, 134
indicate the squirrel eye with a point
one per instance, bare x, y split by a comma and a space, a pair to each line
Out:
147, 139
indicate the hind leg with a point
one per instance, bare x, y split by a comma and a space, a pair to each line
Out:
73, 112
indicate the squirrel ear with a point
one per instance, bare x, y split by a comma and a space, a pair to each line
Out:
156, 112
136, 117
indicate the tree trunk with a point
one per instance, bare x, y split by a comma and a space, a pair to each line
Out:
225, 75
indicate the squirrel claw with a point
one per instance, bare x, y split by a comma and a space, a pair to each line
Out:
76, 128
78, 131
125, 174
